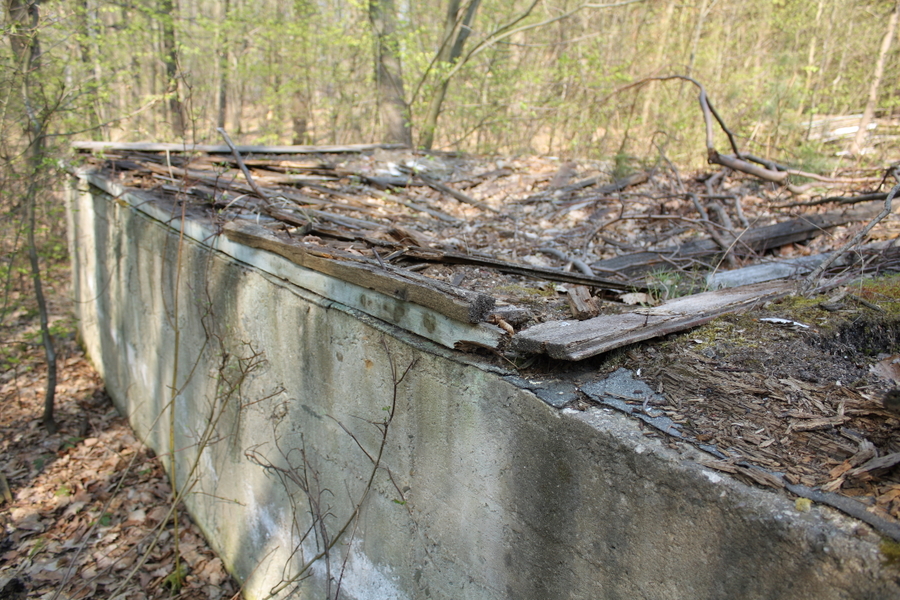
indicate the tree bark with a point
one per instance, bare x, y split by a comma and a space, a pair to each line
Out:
456, 31
389, 74
222, 108
170, 59
27, 50
869, 111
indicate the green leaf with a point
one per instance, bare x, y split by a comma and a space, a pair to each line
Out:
175, 580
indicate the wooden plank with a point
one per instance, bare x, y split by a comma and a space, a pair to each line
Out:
751, 241
794, 267
419, 320
231, 181
609, 188
222, 149
456, 303
432, 255
577, 340
616, 186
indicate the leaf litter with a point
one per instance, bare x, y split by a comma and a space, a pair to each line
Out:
87, 502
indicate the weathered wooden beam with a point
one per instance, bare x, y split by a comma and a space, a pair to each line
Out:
610, 188
751, 241
223, 149
440, 256
457, 303
577, 340
415, 318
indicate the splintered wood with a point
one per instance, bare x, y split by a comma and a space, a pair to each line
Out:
575, 341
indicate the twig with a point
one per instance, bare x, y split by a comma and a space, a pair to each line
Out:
240, 162
578, 264
704, 216
811, 279
436, 185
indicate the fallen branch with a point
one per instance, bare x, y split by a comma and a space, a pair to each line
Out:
727, 247
455, 194
244, 169
811, 279
763, 169
578, 264
837, 200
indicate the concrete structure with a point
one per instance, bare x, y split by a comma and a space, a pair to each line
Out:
483, 490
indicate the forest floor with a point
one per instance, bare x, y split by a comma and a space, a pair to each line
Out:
88, 512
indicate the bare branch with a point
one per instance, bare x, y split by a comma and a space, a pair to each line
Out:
811, 279
242, 166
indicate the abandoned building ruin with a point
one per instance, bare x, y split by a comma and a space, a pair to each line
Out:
384, 371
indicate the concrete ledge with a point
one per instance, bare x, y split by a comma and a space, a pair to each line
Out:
484, 491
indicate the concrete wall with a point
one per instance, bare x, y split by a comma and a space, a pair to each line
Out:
484, 491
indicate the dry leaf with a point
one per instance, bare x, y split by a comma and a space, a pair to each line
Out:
641, 298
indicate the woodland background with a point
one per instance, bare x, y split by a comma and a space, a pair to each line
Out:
549, 77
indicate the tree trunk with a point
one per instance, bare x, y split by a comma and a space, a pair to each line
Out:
389, 74
869, 111
299, 111
26, 48
170, 59
705, 9
456, 31
222, 111
659, 61
86, 43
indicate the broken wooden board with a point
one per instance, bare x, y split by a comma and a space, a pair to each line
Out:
543, 273
451, 301
577, 340
417, 319
749, 242
223, 149
609, 188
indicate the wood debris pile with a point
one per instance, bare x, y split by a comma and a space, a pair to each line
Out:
786, 403
538, 240
566, 260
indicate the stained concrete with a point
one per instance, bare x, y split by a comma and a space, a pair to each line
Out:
484, 490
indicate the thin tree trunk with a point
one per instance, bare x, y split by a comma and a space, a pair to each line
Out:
26, 48
869, 111
658, 61
170, 59
299, 110
86, 42
223, 69
705, 9
389, 74
456, 31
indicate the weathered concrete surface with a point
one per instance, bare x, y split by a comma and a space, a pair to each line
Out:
485, 491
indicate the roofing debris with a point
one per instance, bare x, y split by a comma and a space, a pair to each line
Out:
510, 244
533, 259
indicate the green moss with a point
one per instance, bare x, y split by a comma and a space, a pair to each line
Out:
882, 291
890, 551
666, 285
737, 330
